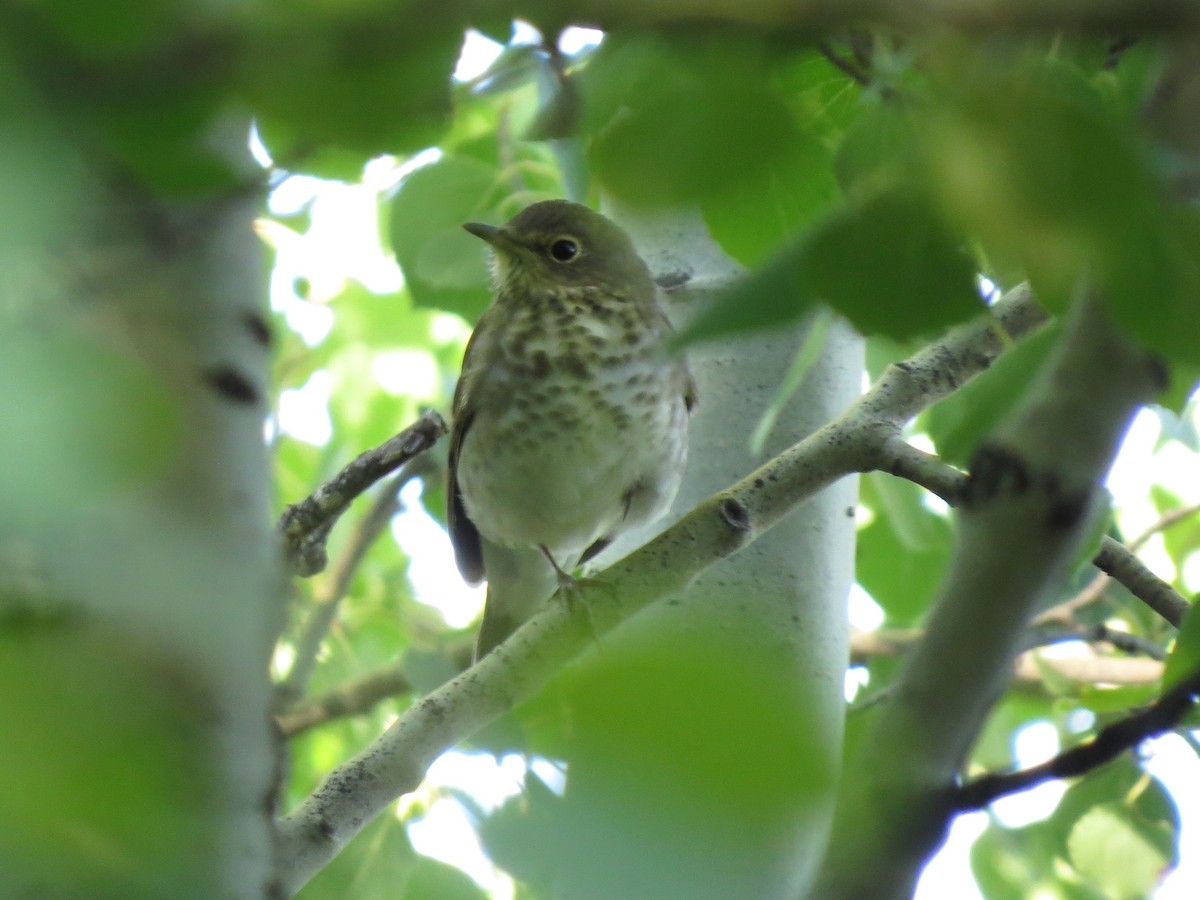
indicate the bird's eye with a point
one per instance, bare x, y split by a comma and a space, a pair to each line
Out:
564, 249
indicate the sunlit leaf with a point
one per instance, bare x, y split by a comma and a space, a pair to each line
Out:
1122, 856
444, 266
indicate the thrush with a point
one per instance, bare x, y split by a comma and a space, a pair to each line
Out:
570, 416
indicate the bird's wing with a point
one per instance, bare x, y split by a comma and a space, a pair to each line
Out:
464, 536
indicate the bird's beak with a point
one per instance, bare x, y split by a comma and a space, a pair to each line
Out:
499, 237
489, 233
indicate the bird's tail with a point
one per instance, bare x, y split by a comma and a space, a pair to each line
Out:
520, 581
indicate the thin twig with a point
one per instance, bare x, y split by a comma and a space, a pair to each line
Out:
305, 526
1064, 612
1111, 741
329, 596
846, 66
1116, 561
363, 693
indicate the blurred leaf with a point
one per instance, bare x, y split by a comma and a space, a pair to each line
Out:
1136, 812
880, 151
1176, 427
890, 265
1028, 158
1018, 863
812, 344
756, 216
774, 295
960, 422
993, 750
516, 66
662, 114
1106, 699
132, 816
902, 504
1120, 854
904, 579
438, 257
1185, 656
887, 264
364, 79
1183, 381
61, 450
521, 835
380, 864
658, 802
432, 879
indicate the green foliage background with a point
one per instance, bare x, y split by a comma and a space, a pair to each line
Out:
874, 174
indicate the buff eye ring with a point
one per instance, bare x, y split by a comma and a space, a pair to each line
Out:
564, 249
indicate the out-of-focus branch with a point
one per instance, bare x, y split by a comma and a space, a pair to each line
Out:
361, 694
1113, 740
329, 596
1027, 506
1064, 612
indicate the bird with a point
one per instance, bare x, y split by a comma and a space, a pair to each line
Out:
570, 416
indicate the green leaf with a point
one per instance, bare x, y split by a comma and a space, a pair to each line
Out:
959, 423
904, 579
1118, 804
661, 804
772, 296
1018, 863
902, 503
887, 264
881, 150
1185, 656
443, 265
1103, 699
993, 750
674, 120
364, 79
890, 265
377, 864
1124, 857
806, 357
768, 206
1033, 162
140, 794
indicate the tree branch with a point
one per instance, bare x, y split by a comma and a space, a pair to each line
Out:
1116, 561
1028, 667
329, 596
1064, 612
1028, 504
305, 526
1112, 740
855, 441
361, 694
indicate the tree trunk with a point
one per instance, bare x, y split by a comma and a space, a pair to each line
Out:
140, 585
768, 625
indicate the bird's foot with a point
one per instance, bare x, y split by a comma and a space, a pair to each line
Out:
570, 592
